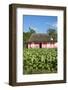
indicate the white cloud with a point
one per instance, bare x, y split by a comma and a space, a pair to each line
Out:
54, 25
33, 27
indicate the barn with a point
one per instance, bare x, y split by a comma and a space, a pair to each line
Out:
41, 41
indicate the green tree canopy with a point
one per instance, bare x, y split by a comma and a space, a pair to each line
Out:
52, 33
26, 35
31, 30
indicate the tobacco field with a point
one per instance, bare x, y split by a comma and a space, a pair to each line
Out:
39, 60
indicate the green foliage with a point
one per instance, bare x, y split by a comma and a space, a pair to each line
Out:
31, 30
52, 33
26, 36
39, 60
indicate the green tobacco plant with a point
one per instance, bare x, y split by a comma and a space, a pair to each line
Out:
39, 60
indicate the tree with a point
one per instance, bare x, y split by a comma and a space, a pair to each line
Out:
26, 36
31, 30
52, 33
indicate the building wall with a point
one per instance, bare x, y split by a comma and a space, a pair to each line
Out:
43, 45
49, 45
33, 45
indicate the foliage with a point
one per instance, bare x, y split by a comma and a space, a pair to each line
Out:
26, 35
40, 60
52, 33
31, 30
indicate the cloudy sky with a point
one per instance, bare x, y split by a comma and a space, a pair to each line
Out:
39, 23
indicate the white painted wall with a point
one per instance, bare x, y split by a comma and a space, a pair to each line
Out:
4, 47
33, 45
47, 45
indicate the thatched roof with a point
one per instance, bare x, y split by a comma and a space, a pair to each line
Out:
40, 38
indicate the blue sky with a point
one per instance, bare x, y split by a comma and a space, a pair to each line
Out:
39, 23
